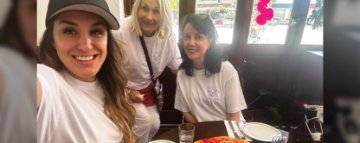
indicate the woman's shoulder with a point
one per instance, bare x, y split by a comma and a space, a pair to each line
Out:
181, 72
44, 68
226, 64
47, 73
181, 75
227, 67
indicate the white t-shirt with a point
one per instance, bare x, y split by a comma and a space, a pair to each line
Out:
72, 110
210, 98
162, 53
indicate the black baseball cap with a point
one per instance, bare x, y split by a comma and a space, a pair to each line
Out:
98, 7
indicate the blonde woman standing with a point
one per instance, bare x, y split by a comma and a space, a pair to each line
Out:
151, 21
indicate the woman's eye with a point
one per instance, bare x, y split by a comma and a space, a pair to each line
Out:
69, 31
199, 37
186, 37
97, 32
156, 11
144, 8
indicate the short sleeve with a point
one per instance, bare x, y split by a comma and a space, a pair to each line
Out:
180, 102
234, 96
47, 78
48, 110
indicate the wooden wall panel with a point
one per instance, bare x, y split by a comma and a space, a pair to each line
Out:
128, 4
309, 83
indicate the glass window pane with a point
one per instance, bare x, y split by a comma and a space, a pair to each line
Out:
274, 31
174, 4
222, 12
313, 32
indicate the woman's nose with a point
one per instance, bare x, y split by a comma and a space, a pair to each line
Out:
85, 42
149, 16
191, 41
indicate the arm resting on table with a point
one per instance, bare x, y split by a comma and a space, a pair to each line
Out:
189, 117
233, 116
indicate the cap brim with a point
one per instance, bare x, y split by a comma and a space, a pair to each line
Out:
108, 17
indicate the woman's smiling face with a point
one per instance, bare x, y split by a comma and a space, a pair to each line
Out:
80, 40
195, 45
149, 17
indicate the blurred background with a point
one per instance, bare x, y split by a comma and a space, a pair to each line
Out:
342, 71
17, 71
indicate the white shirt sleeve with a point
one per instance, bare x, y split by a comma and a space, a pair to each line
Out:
234, 97
48, 111
180, 102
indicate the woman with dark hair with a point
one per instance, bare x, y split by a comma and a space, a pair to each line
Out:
81, 88
208, 88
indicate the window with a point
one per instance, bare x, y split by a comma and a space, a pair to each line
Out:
274, 31
174, 4
313, 32
222, 12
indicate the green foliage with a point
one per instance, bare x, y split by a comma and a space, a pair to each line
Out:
174, 4
223, 9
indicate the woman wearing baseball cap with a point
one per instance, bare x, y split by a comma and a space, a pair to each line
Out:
81, 84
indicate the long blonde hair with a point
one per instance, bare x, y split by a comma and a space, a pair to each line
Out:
165, 29
111, 76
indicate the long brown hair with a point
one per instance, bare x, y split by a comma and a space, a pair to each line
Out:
112, 77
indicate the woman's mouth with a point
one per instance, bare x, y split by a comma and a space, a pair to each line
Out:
148, 22
191, 49
85, 58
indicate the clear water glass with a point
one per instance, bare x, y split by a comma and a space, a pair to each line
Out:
186, 132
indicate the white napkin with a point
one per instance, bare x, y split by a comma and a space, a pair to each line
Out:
228, 129
237, 130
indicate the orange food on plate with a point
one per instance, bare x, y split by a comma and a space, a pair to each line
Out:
221, 139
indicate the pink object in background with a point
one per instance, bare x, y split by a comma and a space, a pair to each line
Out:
268, 14
260, 20
265, 13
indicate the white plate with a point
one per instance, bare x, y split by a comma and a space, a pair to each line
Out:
260, 131
161, 141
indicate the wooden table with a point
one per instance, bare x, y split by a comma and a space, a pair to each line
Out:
202, 130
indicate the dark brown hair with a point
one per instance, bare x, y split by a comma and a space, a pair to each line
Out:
213, 58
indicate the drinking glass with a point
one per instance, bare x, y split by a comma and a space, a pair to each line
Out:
186, 132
